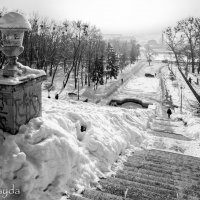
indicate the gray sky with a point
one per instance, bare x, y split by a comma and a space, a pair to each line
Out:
113, 16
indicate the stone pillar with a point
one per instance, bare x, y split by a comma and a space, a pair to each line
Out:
19, 102
20, 86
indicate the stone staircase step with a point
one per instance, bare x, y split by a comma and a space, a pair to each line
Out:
176, 177
157, 163
153, 182
151, 175
176, 156
145, 187
187, 169
77, 197
170, 124
172, 132
138, 174
192, 192
168, 120
115, 189
177, 180
163, 119
147, 172
148, 167
132, 192
130, 195
94, 194
168, 135
169, 169
179, 165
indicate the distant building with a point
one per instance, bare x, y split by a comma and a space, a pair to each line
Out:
152, 42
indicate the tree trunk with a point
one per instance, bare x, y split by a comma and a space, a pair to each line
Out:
45, 67
67, 77
192, 55
97, 83
176, 56
75, 72
198, 68
64, 65
193, 65
54, 73
85, 79
51, 69
89, 66
75, 78
82, 75
2, 61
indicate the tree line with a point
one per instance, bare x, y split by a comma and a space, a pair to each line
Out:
184, 41
74, 47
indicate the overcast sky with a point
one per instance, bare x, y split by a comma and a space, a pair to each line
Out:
113, 16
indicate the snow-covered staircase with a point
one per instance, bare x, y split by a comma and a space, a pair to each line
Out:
163, 127
151, 175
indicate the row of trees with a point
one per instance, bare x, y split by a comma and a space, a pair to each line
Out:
76, 46
128, 50
184, 41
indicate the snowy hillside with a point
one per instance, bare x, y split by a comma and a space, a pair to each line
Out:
74, 143
51, 155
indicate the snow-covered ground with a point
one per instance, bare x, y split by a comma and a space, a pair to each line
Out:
89, 92
188, 124
51, 155
74, 143
188, 99
140, 87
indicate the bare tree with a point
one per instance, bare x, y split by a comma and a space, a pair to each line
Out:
197, 23
174, 42
149, 53
188, 28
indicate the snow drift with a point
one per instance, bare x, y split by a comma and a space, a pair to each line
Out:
68, 148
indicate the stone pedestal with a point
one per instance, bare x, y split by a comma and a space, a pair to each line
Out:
19, 102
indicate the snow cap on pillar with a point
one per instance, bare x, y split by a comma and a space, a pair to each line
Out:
14, 20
